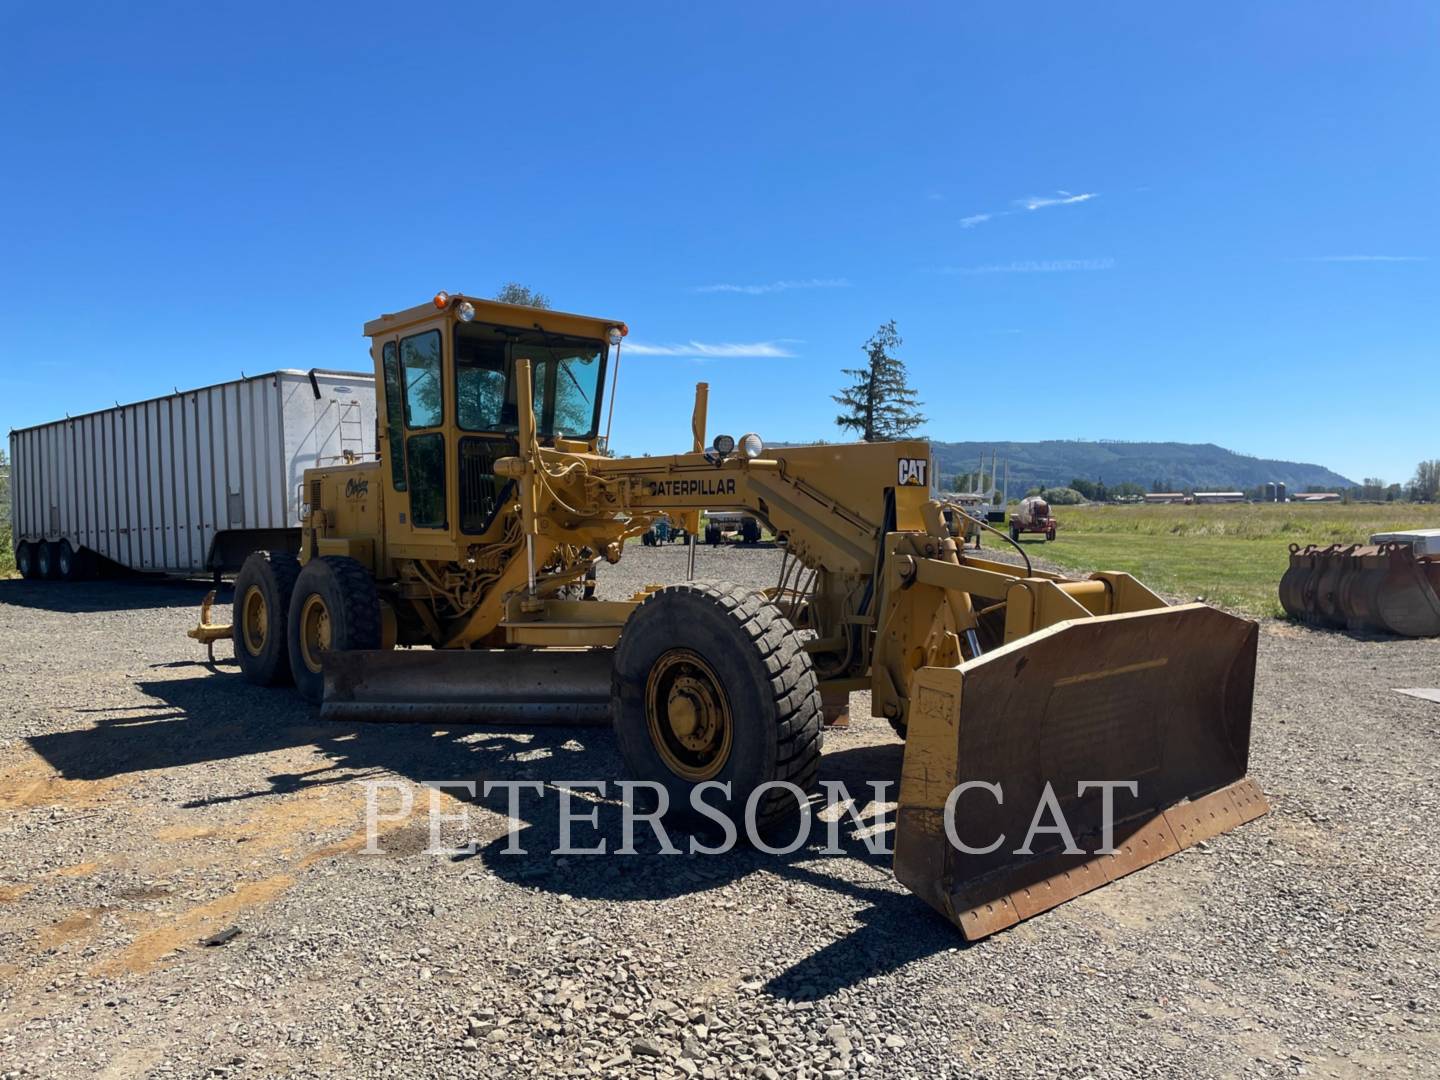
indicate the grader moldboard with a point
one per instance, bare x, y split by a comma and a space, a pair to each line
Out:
477, 533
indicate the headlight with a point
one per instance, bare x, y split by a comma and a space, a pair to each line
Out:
615, 335
724, 445
466, 311
751, 445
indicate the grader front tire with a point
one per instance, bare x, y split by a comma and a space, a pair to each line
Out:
712, 683
263, 590
335, 608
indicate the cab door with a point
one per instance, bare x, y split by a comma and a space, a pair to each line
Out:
417, 508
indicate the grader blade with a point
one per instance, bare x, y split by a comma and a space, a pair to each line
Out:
472, 686
1160, 698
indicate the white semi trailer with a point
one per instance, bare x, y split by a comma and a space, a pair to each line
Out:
186, 484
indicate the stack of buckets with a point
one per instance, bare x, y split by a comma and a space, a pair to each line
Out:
1390, 585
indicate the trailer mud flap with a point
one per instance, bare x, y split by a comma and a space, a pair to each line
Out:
1051, 728
469, 686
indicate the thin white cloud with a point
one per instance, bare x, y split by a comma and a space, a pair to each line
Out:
1060, 198
1032, 266
1371, 258
1030, 202
767, 349
775, 286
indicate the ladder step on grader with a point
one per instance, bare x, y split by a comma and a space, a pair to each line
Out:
452, 581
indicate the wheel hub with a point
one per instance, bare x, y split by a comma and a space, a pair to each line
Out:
315, 631
255, 620
688, 715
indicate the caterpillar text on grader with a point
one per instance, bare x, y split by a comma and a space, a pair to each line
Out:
477, 533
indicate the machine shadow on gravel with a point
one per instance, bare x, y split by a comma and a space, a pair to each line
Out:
133, 593
207, 719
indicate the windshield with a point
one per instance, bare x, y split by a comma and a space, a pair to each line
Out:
566, 373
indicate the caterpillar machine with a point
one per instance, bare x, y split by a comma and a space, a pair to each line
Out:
478, 531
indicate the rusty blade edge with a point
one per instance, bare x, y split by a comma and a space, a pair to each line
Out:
1167, 833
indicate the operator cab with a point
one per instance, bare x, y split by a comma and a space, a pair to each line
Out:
448, 381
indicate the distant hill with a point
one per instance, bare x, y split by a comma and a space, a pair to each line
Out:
1200, 466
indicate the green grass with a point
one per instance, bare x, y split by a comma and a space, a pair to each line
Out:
1232, 555
7, 551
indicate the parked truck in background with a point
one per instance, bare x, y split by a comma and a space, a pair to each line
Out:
186, 484
1032, 516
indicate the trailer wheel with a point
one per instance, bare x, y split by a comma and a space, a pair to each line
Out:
70, 565
1049, 534
335, 608
25, 560
712, 683
44, 561
263, 589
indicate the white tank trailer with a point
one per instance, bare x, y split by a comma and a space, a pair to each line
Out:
187, 484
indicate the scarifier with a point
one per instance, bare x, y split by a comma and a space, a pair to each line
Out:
478, 530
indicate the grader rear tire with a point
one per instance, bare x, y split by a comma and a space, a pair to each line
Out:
261, 615
335, 608
712, 683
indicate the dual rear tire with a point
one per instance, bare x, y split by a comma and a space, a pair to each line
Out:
286, 617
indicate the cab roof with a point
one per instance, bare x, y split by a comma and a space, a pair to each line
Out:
493, 311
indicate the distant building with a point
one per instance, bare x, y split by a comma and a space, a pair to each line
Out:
1165, 497
1315, 496
1219, 496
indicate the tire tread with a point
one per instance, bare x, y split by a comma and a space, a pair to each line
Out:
793, 686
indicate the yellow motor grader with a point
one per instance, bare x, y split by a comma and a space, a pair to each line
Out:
478, 531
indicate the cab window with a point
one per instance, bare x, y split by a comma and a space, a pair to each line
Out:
425, 455
566, 373
420, 361
480, 385
394, 405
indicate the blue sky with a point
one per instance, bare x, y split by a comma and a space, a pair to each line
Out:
1205, 223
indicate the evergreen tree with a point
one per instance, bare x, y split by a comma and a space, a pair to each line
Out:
880, 403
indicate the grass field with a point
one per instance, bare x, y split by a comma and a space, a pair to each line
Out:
1232, 555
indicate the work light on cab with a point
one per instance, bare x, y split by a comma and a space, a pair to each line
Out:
751, 445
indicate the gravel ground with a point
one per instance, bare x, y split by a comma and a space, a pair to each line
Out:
147, 803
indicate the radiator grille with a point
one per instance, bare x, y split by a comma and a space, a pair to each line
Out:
482, 493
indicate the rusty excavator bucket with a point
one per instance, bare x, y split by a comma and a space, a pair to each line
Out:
1159, 699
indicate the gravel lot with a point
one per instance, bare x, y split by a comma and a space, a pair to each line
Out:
147, 803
